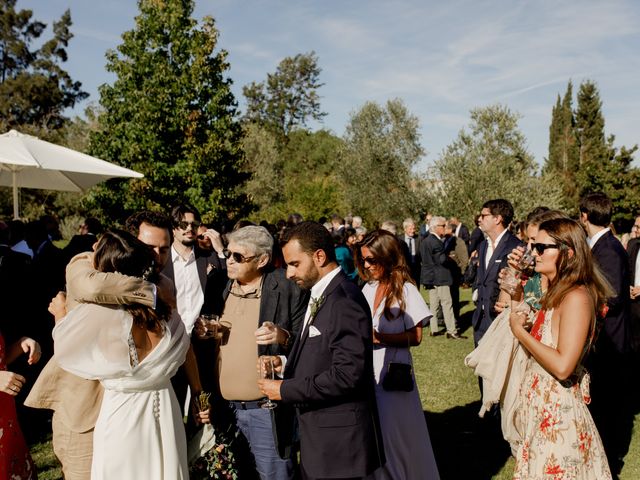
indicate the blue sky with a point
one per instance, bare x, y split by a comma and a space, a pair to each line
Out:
441, 58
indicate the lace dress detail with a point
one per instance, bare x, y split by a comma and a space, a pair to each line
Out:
560, 440
133, 352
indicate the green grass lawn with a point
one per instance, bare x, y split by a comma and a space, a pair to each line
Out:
466, 447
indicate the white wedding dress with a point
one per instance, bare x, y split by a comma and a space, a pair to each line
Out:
139, 433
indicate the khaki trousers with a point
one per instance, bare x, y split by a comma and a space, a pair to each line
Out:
74, 450
441, 297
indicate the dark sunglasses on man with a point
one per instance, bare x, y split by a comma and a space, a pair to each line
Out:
183, 225
237, 257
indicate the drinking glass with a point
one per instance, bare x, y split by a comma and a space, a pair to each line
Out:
525, 266
267, 371
210, 324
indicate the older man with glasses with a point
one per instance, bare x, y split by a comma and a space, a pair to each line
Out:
261, 313
437, 277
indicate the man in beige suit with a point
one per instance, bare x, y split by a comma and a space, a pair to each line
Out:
76, 401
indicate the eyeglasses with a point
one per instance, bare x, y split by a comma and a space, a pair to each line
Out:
541, 247
237, 257
185, 225
482, 215
370, 260
441, 226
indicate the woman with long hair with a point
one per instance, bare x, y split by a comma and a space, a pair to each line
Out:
399, 314
134, 351
559, 437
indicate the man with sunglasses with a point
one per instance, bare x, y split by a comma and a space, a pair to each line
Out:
262, 313
186, 267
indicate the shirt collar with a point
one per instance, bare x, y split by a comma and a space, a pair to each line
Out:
175, 256
237, 291
318, 289
504, 232
593, 240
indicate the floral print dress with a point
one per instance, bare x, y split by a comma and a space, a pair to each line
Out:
560, 440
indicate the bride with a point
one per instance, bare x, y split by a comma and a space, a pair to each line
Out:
134, 351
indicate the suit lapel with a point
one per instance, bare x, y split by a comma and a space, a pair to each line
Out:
300, 341
269, 302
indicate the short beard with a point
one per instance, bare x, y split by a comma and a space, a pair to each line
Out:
188, 243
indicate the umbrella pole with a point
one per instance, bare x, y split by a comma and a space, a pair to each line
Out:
16, 200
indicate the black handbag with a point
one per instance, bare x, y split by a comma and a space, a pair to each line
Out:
399, 377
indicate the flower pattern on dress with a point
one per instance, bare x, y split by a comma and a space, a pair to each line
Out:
560, 440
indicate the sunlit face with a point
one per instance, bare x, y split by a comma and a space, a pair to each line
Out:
246, 270
302, 268
186, 236
371, 264
410, 229
546, 262
489, 223
532, 233
159, 239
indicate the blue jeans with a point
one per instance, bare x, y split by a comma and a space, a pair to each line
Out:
255, 425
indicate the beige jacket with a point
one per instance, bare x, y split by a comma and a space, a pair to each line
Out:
75, 400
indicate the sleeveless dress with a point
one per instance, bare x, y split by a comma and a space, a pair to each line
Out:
405, 436
560, 440
15, 461
139, 432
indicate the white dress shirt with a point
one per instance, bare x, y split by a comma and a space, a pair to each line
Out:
597, 236
491, 248
189, 294
317, 290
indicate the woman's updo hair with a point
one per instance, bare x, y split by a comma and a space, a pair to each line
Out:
119, 251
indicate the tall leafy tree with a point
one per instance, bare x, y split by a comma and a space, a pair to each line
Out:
288, 99
563, 160
299, 177
382, 146
170, 115
34, 88
489, 160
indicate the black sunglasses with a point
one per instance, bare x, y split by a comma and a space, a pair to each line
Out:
370, 261
237, 257
184, 225
541, 247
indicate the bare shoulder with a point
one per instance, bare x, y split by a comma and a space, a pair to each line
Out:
577, 301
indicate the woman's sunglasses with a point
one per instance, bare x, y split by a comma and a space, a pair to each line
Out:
370, 260
541, 247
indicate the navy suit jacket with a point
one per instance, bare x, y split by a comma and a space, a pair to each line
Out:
487, 282
436, 264
329, 379
613, 260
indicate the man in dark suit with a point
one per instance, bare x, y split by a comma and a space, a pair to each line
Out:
265, 311
634, 291
328, 376
437, 277
495, 217
610, 363
187, 266
411, 242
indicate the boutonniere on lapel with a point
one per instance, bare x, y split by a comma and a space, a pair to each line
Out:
315, 305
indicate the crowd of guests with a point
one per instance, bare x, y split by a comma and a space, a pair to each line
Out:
125, 332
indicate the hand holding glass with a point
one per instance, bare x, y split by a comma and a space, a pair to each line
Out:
267, 370
511, 279
208, 325
267, 334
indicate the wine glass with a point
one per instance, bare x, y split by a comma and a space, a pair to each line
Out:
267, 371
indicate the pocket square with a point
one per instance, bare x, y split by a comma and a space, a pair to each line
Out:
313, 332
